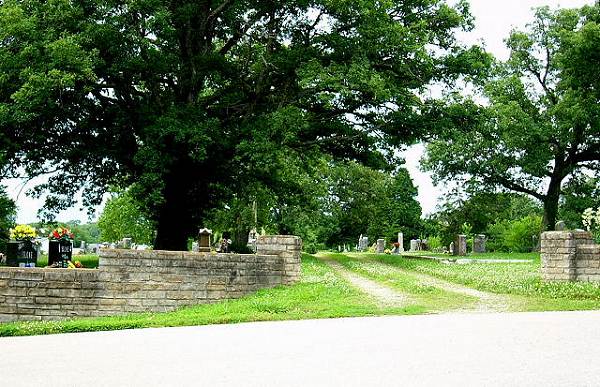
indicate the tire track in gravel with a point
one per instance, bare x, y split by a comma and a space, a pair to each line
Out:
384, 295
487, 302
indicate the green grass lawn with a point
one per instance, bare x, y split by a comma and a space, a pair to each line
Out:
321, 293
492, 255
519, 279
89, 261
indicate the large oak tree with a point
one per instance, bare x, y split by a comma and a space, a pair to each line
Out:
542, 124
191, 100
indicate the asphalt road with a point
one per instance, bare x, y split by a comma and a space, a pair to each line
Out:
523, 349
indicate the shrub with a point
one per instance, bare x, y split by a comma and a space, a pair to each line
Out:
313, 247
434, 242
522, 235
496, 233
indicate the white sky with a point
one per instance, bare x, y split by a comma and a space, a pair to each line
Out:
494, 20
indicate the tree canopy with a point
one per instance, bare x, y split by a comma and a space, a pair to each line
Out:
542, 123
122, 218
195, 100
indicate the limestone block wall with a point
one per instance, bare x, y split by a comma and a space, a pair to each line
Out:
146, 281
570, 256
288, 248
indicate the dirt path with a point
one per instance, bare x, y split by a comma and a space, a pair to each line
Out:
487, 302
384, 295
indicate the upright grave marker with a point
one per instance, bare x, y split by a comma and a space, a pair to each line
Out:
204, 240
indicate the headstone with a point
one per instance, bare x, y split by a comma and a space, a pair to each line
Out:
126, 243
380, 246
414, 245
560, 226
479, 244
363, 243
424, 245
204, 236
21, 254
460, 246
400, 242
82, 246
195, 246
451, 248
60, 253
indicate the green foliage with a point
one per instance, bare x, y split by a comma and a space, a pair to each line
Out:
369, 202
542, 124
192, 101
122, 218
434, 242
8, 212
579, 194
521, 235
479, 214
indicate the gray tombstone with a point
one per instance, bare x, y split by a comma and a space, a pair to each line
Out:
479, 243
451, 248
414, 245
560, 226
460, 246
364, 243
400, 242
126, 243
380, 246
82, 246
195, 247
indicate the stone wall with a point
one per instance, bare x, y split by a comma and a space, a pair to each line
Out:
146, 281
570, 256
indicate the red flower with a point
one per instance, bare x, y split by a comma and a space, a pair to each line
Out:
55, 234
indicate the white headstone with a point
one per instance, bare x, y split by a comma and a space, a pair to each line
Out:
401, 242
380, 246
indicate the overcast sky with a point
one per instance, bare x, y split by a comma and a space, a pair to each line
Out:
494, 20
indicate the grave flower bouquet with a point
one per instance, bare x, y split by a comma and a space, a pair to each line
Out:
61, 234
22, 232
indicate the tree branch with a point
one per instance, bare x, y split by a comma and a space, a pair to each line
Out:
507, 183
220, 9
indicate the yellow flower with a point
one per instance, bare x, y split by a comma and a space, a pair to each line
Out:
22, 232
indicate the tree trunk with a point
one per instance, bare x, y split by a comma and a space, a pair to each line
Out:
171, 234
175, 221
551, 205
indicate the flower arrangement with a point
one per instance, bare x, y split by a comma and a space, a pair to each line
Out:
22, 232
61, 234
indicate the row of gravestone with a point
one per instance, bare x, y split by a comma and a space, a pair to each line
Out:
458, 247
